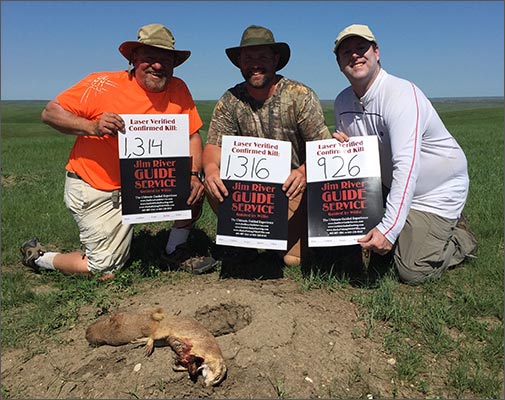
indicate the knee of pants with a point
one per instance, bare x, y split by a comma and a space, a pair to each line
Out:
416, 274
291, 261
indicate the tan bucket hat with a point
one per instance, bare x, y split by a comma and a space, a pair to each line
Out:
256, 35
354, 30
154, 35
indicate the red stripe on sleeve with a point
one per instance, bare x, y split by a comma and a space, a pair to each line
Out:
411, 165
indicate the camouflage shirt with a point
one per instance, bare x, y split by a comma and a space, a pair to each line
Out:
292, 114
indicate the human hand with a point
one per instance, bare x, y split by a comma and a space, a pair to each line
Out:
296, 182
376, 241
197, 191
215, 186
340, 136
109, 124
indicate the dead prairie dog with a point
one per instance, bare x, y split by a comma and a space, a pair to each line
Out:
196, 348
124, 328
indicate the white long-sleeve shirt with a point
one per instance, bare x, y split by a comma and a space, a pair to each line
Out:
421, 162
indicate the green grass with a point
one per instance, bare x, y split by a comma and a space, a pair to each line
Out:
446, 336
458, 319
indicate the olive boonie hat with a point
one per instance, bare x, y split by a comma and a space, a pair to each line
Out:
154, 35
354, 30
258, 36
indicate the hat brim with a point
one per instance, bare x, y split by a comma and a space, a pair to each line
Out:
233, 53
127, 48
347, 36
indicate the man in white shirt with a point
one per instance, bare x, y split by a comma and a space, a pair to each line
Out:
424, 170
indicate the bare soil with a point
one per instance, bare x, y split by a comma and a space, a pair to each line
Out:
278, 342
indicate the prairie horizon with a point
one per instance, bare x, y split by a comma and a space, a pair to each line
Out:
434, 99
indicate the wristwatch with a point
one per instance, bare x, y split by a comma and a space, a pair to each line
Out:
199, 175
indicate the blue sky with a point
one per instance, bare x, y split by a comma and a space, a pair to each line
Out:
449, 49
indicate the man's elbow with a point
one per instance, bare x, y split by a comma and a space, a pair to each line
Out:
46, 113
44, 117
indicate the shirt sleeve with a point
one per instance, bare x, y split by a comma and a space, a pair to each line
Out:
222, 121
188, 105
83, 98
311, 118
403, 118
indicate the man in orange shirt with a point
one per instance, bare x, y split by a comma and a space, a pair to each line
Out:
91, 111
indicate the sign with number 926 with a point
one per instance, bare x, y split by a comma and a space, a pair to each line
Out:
330, 159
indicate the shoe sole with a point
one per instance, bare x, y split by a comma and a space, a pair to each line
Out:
202, 270
32, 245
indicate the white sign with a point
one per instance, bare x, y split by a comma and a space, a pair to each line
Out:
344, 190
255, 213
155, 167
330, 160
245, 158
154, 135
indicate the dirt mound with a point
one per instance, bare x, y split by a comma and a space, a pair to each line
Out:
277, 342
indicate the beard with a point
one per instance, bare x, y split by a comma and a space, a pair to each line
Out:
155, 81
261, 81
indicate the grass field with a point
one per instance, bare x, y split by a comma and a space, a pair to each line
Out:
456, 322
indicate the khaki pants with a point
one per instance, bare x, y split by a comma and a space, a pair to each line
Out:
106, 239
428, 245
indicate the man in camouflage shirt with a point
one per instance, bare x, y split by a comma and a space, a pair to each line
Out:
267, 105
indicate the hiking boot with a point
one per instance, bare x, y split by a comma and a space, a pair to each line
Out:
31, 250
185, 259
471, 242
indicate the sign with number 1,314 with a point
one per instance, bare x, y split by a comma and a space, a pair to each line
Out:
155, 167
154, 136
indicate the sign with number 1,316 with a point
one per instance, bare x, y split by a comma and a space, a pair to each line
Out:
245, 158
255, 212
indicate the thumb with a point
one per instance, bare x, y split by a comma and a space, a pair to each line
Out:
365, 238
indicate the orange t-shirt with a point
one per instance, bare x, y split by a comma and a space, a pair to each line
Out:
96, 159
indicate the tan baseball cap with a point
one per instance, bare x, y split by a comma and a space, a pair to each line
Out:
354, 30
